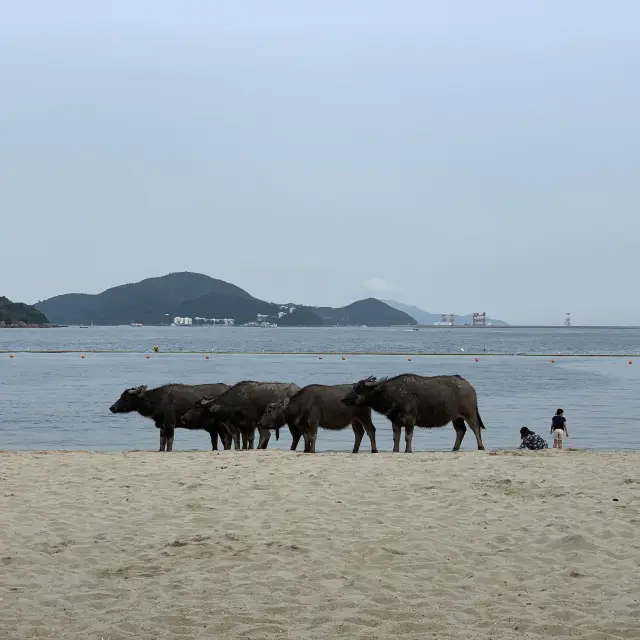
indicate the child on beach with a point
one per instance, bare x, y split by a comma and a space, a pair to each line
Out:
531, 440
559, 429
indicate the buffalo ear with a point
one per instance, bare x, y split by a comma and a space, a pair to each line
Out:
138, 391
286, 402
370, 381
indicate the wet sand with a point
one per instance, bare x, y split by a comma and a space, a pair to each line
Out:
273, 544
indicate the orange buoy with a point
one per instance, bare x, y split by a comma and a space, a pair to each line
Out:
409, 359
11, 356
148, 357
83, 356
343, 357
553, 362
630, 361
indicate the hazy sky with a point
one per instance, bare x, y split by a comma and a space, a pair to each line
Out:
460, 156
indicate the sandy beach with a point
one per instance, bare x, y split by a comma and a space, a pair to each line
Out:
275, 544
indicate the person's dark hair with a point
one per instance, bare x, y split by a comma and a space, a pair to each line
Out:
525, 432
559, 412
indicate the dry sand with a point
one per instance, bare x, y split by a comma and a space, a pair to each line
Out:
275, 544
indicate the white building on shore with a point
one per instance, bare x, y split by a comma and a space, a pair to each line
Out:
208, 322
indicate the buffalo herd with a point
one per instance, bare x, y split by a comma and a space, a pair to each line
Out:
233, 413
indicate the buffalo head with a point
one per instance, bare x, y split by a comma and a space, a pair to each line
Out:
273, 416
197, 413
130, 400
217, 411
360, 392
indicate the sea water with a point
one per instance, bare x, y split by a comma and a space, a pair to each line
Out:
61, 400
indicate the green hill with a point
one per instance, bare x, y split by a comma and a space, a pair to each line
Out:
16, 313
370, 311
157, 301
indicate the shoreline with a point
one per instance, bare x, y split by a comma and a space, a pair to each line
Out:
33, 326
471, 546
411, 354
363, 452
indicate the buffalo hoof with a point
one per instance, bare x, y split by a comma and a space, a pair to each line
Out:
374, 451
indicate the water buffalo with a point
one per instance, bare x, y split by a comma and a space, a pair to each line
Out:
165, 404
199, 414
313, 406
242, 406
410, 401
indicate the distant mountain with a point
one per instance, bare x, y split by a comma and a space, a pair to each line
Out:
424, 317
158, 300
370, 311
16, 313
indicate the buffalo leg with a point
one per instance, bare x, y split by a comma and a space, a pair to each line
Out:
461, 429
213, 433
163, 435
310, 433
474, 425
163, 439
169, 424
170, 431
296, 434
408, 438
358, 432
397, 430
307, 441
314, 436
236, 439
251, 437
226, 438
371, 432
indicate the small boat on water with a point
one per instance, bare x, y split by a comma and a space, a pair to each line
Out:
135, 324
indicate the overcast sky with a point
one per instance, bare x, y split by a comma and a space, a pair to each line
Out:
460, 156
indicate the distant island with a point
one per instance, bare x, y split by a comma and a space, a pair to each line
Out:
18, 314
427, 318
187, 298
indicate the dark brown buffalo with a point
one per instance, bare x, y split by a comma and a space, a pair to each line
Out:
199, 414
317, 405
410, 401
240, 408
165, 404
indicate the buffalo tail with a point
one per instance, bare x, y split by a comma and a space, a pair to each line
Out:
480, 419
277, 433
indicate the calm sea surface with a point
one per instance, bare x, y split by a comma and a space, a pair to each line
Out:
60, 400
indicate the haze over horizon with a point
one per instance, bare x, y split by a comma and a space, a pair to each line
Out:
476, 157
